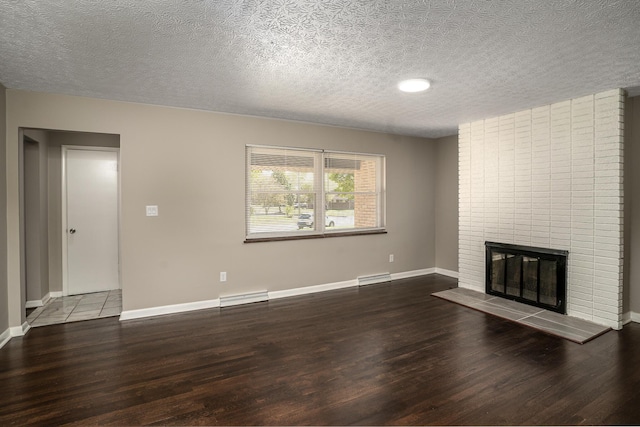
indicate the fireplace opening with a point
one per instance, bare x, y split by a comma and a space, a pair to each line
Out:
535, 276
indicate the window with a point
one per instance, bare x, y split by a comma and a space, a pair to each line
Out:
293, 192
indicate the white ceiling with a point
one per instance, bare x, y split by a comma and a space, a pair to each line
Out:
334, 62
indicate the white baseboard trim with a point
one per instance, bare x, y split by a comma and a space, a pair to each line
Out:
200, 305
34, 304
626, 318
341, 285
632, 316
312, 289
56, 294
445, 272
38, 302
5, 337
169, 309
18, 331
15, 331
413, 273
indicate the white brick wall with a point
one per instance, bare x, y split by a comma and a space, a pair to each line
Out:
549, 177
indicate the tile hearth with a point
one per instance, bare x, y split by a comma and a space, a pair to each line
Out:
570, 328
77, 307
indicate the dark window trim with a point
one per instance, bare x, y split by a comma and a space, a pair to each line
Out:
315, 236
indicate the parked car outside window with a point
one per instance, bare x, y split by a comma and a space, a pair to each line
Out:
306, 220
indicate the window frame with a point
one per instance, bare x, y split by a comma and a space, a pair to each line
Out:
320, 206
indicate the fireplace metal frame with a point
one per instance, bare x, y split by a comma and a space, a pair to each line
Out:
555, 255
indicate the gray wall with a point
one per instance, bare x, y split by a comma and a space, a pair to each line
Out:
632, 202
434, 165
192, 165
4, 311
35, 214
446, 203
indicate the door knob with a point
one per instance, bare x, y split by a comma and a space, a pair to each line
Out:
72, 231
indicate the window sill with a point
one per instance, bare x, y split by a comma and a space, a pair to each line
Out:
315, 236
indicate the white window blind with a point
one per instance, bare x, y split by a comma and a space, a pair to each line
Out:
294, 192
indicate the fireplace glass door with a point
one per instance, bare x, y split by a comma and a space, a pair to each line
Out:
535, 276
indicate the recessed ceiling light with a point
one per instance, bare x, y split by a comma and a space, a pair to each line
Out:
414, 85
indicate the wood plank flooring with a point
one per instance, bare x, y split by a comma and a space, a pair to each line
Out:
379, 355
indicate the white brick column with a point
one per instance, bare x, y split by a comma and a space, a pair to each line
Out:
549, 177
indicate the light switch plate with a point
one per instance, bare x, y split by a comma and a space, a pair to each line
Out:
152, 210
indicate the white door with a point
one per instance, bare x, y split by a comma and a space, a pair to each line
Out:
91, 181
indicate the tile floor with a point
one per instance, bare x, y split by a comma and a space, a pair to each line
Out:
567, 327
77, 307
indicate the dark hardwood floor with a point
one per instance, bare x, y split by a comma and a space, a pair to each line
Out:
382, 354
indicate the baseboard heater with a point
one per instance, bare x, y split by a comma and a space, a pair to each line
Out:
231, 300
374, 278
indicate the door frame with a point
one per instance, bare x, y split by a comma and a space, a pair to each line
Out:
65, 265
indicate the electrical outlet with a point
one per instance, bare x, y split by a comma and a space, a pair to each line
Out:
391, 258
223, 276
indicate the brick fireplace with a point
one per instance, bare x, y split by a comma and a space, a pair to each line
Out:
550, 177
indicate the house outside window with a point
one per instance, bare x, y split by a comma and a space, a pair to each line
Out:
297, 193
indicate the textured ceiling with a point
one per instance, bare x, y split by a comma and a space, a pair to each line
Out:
333, 62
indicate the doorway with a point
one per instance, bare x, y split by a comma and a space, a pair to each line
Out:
90, 220
47, 220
